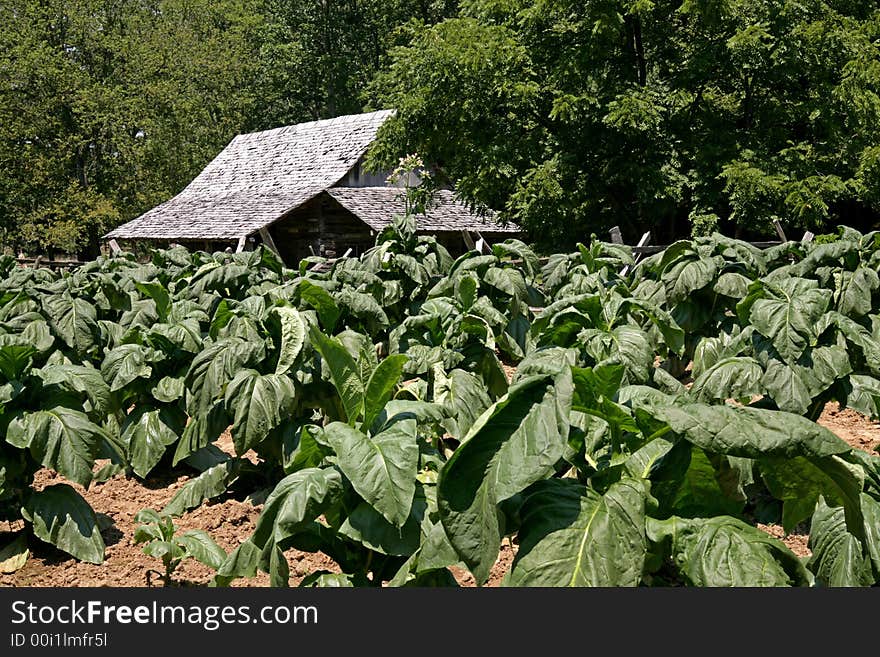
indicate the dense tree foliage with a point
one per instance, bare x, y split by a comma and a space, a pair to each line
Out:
672, 116
678, 116
109, 108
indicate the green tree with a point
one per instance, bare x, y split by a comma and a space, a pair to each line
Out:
571, 116
317, 56
108, 108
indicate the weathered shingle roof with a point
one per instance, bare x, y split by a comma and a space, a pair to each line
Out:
376, 206
257, 178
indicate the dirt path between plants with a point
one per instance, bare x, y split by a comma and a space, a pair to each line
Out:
231, 521
117, 502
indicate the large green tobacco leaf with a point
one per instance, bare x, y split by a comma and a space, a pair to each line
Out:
800, 481
865, 395
226, 280
732, 284
368, 527
169, 389
693, 276
697, 492
593, 389
466, 289
344, 373
214, 367
34, 334
634, 350
509, 281
572, 536
871, 514
14, 555
296, 501
157, 292
381, 386
147, 432
591, 383
59, 438
403, 409
74, 321
15, 359
125, 364
515, 443
412, 268
838, 558
260, 402
854, 290
243, 561
551, 318
209, 484
85, 380
362, 306
786, 388
643, 461
319, 299
749, 432
861, 337
624, 344
789, 319
361, 348
730, 378
223, 314
60, 516
184, 335
723, 552
299, 448
142, 314
463, 395
823, 254
382, 468
710, 350
819, 368
673, 335
202, 429
293, 336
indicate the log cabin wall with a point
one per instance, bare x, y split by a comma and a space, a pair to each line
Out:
321, 226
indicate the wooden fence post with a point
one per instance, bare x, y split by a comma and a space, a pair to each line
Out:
778, 226
637, 255
270, 243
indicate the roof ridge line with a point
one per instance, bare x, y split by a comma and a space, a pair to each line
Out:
343, 119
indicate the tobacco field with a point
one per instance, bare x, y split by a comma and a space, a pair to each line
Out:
659, 410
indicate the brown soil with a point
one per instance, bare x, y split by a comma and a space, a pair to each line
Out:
796, 541
117, 502
857, 430
230, 522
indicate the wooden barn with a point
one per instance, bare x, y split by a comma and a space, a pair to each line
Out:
301, 190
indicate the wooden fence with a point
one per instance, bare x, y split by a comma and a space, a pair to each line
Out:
41, 261
643, 248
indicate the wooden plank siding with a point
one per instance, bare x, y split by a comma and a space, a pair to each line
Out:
321, 226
